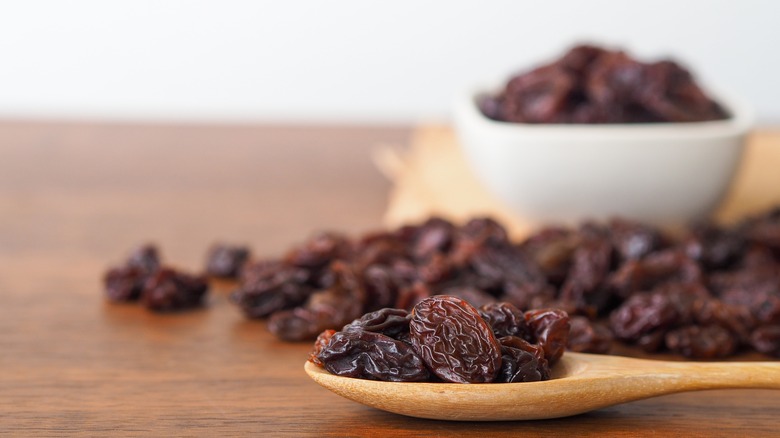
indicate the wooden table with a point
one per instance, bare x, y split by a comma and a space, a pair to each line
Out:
75, 197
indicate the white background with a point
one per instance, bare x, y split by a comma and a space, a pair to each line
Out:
355, 60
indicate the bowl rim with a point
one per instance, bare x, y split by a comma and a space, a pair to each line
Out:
740, 121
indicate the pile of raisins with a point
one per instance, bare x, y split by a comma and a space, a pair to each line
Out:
446, 339
161, 289
709, 293
594, 85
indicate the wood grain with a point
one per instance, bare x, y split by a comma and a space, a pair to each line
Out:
74, 197
579, 383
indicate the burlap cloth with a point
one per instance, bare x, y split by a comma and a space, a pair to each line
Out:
433, 178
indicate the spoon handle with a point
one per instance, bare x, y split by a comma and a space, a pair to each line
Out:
692, 376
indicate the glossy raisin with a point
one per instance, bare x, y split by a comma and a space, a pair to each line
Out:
454, 341
374, 356
389, 322
521, 362
550, 329
505, 320
322, 341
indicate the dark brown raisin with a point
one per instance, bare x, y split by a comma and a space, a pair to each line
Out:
588, 337
320, 250
146, 258
389, 322
505, 320
124, 283
320, 343
168, 290
642, 314
374, 356
701, 342
550, 328
226, 261
267, 287
766, 339
454, 341
521, 361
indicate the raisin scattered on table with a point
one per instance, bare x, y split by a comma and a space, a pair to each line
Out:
126, 282
620, 281
169, 290
226, 261
588, 337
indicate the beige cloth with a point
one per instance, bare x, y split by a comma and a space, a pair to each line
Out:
433, 178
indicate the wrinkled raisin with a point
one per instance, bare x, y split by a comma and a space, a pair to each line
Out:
389, 322
550, 328
320, 343
521, 361
374, 356
454, 341
505, 320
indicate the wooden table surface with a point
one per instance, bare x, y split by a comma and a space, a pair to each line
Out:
75, 197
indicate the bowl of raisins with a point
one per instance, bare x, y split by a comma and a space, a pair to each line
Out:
598, 134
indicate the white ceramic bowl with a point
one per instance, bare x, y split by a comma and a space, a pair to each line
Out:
664, 173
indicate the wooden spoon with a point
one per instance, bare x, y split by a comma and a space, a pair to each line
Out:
580, 383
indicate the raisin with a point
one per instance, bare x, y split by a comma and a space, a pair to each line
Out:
146, 258
642, 314
589, 268
298, 324
552, 249
374, 356
320, 250
226, 261
672, 265
701, 342
766, 339
715, 247
505, 320
590, 84
168, 290
434, 236
588, 337
267, 287
550, 329
389, 322
633, 240
124, 283
333, 307
521, 361
453, 340
322, 341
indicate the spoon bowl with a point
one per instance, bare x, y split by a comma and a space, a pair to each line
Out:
580, 383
